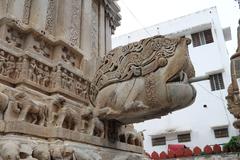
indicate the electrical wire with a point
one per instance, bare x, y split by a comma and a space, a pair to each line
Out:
135, 17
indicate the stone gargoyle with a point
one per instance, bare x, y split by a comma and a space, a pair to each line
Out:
143, 80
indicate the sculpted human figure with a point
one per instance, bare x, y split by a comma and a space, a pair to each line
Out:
4, 100
70, 82
64, 79
32, 70
19, 67
2, 62
46, 77
10, 67
40, 72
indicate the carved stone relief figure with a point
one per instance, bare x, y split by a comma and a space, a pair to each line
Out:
29, 110
2, 62
127, 134
39, 73
41, 152
10, 150
32, 70
56, 77
146, 72
14, 38
19, 67
91, 123
63, 115
10, 67
4, 100
81, 88
46, 77
64, 79
62, 153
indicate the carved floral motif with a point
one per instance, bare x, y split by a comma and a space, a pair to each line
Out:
51, 16
26, 11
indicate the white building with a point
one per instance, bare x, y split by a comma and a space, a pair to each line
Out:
207, 121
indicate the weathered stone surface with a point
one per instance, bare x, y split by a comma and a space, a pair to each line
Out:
51, 69
233, 97
144, 80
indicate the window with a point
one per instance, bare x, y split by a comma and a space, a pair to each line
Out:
216, 82
202, 38
221, 132
158, 141
184, 137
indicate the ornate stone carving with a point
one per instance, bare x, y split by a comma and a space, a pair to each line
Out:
63, 115
26, 11
147, 69
51, 16
14, 37
68, 57
41, 152
233, 97
29, 110
75, 22
42, 48
127, 134
9, 65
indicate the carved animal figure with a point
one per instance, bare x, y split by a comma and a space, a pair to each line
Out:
86, 155
61, 153
127, 134
3, 104
143, 80
65, 116
41, 152
91, 123
25, 106
10, 150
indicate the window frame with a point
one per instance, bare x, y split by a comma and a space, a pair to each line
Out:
182, 137
161, 141
202, 38
216, 81
221, 129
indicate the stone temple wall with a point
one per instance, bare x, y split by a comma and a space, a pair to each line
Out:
49, 50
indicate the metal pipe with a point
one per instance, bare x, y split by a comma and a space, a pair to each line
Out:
199, 78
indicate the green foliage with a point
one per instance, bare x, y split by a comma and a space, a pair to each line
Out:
233, 145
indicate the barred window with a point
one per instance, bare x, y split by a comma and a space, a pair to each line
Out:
201, 38
216, 82
184, 137
221, 132
158, 141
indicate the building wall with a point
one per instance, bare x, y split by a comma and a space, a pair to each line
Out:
207, 59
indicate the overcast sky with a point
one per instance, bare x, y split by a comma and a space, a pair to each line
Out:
137, 14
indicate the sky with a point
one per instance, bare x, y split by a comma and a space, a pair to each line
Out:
138, 14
